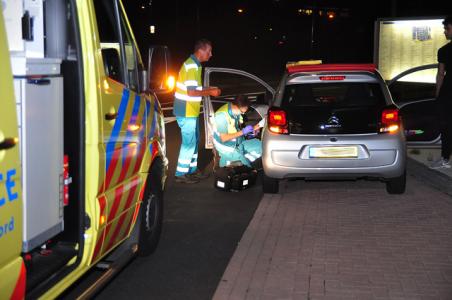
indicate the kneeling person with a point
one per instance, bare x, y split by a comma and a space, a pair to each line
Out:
229, 140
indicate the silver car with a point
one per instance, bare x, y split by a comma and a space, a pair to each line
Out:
334, 122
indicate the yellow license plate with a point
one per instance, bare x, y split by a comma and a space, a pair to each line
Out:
333, 152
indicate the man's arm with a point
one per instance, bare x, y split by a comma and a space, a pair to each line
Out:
440, 77
230, 136
210, 91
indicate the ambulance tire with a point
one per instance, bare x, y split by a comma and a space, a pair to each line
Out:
151, 211
270, 185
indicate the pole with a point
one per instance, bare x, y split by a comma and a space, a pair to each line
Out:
393, 8
198, 21
314, 13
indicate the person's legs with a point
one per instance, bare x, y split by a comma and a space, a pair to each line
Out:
188, 146
253, 149
446, 138
227, 158
194, 159
446, 135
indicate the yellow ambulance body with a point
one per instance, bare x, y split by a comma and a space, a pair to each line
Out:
114, 139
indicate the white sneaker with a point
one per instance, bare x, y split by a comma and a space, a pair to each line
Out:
440, 163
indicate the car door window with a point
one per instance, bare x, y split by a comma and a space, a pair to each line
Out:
414, 92
232, 83
414, 86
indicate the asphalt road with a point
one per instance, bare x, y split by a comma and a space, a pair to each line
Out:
202, 228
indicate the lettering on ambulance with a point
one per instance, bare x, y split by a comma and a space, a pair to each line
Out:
8, 225
9, 185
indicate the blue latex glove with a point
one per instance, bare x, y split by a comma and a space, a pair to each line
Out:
248, 129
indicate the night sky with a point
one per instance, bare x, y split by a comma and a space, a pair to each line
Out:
261, 36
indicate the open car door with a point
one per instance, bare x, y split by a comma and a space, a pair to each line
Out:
232, 83
414, 93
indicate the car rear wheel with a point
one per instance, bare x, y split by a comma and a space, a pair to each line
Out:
270, 185
396, 185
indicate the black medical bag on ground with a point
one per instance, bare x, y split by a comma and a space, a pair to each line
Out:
234, 178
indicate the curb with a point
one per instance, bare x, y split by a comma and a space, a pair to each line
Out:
431, 177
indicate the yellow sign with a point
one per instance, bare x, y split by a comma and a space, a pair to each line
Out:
303, 63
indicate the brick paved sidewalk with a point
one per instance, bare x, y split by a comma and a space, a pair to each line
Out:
345, 240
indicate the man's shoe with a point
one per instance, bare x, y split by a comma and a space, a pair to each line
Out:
198, 175
185, 179
440, 164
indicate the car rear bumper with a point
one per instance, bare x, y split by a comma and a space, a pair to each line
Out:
380, 156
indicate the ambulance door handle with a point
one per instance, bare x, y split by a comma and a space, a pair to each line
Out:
111, 116
8, 143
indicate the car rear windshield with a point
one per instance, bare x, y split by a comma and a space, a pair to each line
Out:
337, 94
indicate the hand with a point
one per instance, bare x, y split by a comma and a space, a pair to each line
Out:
256, 127
215, 92
248, 129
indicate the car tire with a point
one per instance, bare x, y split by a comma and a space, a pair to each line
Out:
270, 185
151, 212
396, 185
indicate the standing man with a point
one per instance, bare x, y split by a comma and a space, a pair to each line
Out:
187, 103
444, 96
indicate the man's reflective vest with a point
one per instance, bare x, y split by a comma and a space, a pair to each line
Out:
226, 122
189, 79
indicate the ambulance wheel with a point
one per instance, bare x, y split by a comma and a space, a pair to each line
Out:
151, 211
270, 185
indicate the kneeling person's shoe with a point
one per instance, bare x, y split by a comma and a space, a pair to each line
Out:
198, 175
185, 179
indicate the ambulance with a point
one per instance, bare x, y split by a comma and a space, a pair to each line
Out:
82, 145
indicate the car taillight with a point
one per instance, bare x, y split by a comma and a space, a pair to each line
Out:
331, 78
277, 121
390, 121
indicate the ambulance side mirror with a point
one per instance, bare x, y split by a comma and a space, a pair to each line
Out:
159, 77
144, 81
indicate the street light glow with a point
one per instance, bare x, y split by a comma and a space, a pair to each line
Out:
306, 12
240, 10
331, 15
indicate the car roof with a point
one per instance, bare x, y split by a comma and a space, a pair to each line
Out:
331, 67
